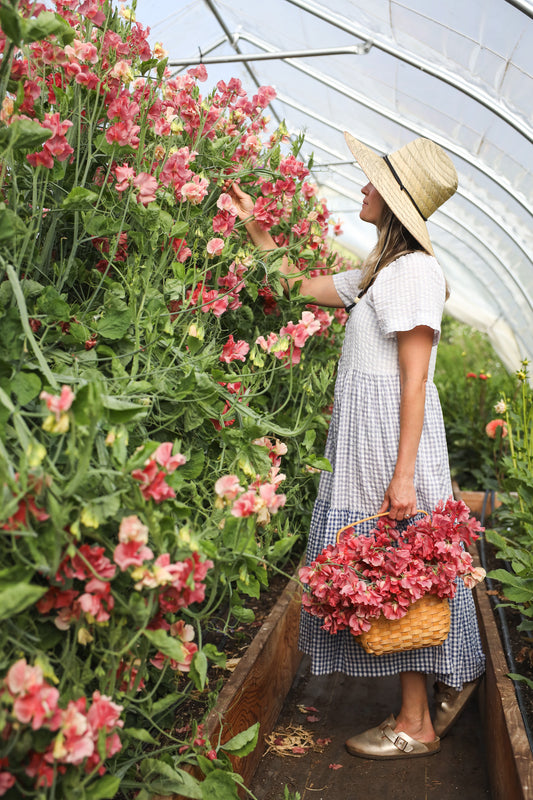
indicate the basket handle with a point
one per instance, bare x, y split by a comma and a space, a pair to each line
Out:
374, 516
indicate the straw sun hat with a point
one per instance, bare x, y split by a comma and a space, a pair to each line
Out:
413, 181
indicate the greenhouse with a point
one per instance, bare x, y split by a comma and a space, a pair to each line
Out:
457, 73
266, 404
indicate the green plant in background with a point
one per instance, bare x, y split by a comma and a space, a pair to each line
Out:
470, 379
514, 543
160, 403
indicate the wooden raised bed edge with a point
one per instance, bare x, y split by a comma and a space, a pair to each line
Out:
257, 688
509, 758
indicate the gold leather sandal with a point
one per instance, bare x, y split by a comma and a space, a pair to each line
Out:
449, 704
383, 743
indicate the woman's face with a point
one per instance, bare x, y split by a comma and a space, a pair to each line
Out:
373, 205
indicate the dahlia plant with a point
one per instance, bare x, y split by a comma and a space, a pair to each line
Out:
363, 576
160, 401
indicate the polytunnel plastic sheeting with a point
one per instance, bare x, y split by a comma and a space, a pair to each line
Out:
457, 72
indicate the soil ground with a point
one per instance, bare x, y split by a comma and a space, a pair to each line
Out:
335, 707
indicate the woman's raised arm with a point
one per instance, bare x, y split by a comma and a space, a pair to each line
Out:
320, 288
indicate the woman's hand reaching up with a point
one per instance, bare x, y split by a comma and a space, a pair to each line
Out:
242, 201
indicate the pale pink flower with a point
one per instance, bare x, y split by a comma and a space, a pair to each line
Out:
228, 487
121, 70
199, 72
132, 530
476, 575
58, 405
75, 741
147, 185
215, 246
225, 203
194, 191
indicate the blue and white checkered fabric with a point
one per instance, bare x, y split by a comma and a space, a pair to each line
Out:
362, 447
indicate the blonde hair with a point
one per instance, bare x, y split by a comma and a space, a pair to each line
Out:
394, 240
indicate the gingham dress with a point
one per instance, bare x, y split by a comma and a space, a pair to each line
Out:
362, 447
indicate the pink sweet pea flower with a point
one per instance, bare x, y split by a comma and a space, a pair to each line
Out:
163, 456
58, 405
131, 554
234, 351
147, 185
194, 191
225, 203
132, 530
215, 246
199, 72
228, 487
245, 505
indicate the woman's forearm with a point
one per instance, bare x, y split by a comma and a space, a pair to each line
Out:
412, 405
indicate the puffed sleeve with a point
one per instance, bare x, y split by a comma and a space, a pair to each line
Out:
409, 292
347, 285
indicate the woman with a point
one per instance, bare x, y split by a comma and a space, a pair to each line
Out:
386, 441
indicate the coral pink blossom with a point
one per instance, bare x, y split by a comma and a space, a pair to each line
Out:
153, 485
492, 427
194, 191
228, 487
163, 456
147, 185
131, 554
245, 505
35, 701
215, 246
58, 405
234, 351
75, 741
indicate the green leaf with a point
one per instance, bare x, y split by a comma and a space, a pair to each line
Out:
26, 386
24, 134
515, 677
318, 462
243, 743
11, 23
219, 785
173, 780
179, 229
15, 597
165, 702
198, 670
214, 655
103, 788
166, 644
79, 199
116, 319
48, 24
11, 225
53, 305
141, 734
121, 410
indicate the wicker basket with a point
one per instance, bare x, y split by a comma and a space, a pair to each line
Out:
426, 624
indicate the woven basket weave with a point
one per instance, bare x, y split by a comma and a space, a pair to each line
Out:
426, 624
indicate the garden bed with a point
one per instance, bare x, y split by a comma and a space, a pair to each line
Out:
257, 688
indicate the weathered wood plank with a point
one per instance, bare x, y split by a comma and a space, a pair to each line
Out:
509, 757
256, 690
